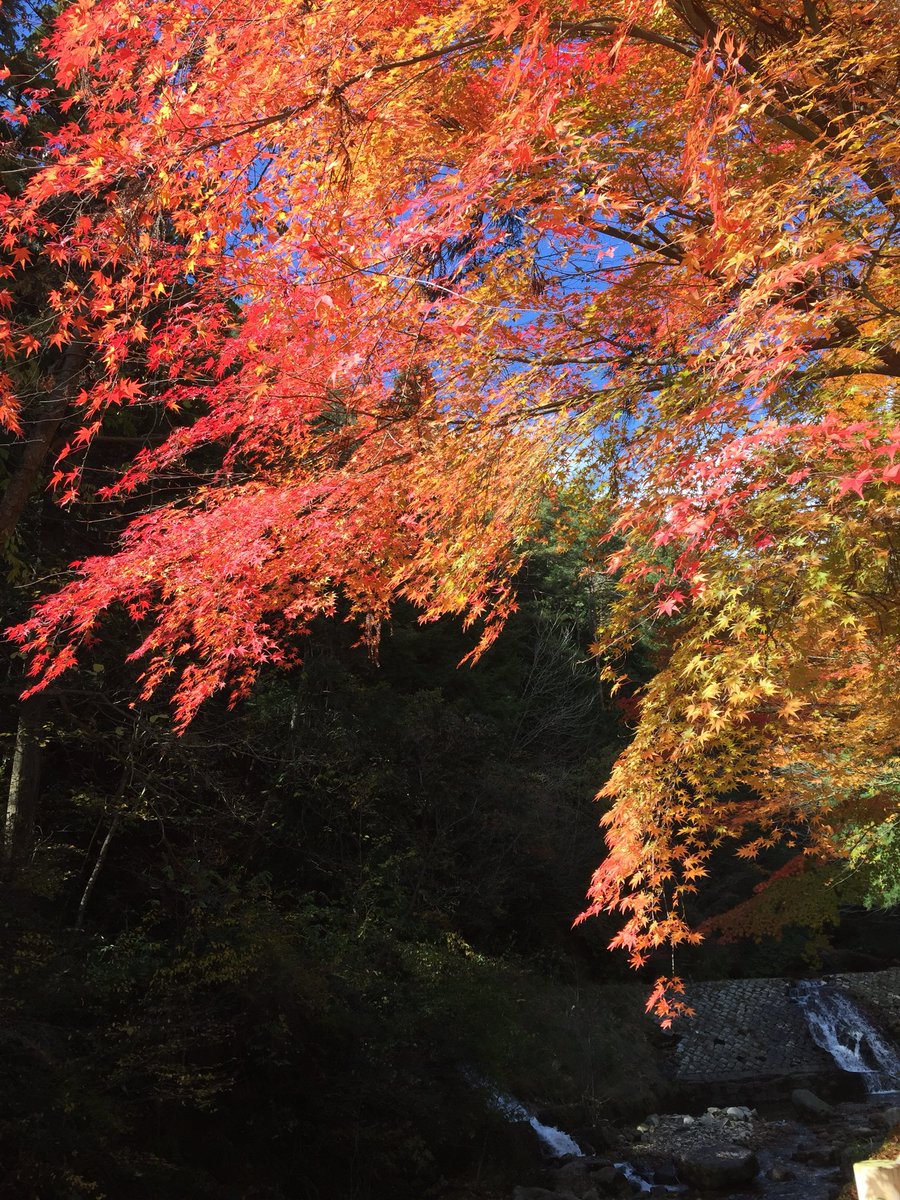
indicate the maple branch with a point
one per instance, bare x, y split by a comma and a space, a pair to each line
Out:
461, 47
284, 114
669, 250
849, 333
850, 372
878, 252
640, 33
335, 92
695, 18
704, 26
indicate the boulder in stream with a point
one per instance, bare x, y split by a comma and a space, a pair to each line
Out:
716, 1167
573, 1176
811, 1106
584, 1177
740, 1112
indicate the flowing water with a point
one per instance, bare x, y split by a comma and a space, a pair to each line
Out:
556, 1143
839, 1027
836, 1025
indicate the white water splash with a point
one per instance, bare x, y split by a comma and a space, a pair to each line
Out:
555, 1142
637, 1180
841, 1029
634, 1178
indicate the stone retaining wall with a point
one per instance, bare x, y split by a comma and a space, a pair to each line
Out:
749, 1032
879, 994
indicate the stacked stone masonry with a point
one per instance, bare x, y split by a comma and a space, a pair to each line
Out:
750, 1028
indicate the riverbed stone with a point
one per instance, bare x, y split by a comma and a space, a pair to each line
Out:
780, 1172
827, 1154
811, 1106
611, 1181
717, 1167
573, 1176
540, 1193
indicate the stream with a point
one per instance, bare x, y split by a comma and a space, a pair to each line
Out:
800, 1149
554, 1142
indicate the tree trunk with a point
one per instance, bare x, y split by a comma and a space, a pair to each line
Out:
101, 858
24, 782
24, 787
39, 437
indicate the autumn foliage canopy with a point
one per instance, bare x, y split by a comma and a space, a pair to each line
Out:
411, 267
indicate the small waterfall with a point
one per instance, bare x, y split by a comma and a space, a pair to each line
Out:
637, 1180
639, 1183
555, 1142
846, 1033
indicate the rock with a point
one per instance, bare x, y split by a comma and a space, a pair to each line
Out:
864, 1132
738, 1112
877, 1179
604, 1136
512, 1145
717, 1166
648, 1124
574, 1176
809, 1105
613, 1181
779, 1173
539, 1193
890, 1116
710, 1120
665, 1174
824, 1155
687, 1120
580, 1175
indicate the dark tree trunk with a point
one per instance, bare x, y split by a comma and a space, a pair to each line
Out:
24, 780
101, 858
39, 435
24, 787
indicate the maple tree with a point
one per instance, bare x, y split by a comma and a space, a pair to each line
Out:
45, 378
415, 266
